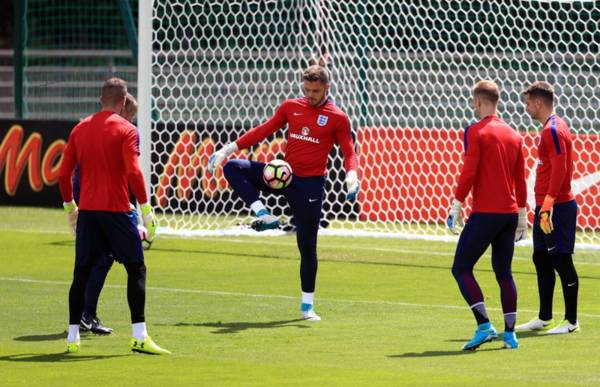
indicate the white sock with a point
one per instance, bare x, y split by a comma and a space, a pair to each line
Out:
308, 298
139, 331
257, 206
73, 335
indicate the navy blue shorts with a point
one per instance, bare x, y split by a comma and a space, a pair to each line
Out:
304, 194
481, 231
104, 233
562, 239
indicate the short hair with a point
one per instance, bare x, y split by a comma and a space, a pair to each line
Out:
487, 90
131, 105
542, 90
316, 73
113, 90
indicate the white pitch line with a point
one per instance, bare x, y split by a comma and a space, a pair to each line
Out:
380, 249
280, 297
262, 241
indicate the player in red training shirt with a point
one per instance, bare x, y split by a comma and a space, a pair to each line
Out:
89, 319
494, 169
105, 148
315, 124
555, 213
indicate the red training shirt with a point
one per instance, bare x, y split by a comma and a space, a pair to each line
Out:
312, 132
555, 162
494, 167
105, 146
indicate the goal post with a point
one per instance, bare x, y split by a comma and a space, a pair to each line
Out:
402, 71
144, 82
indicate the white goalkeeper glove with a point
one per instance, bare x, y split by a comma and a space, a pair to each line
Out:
521, 232
216, 159
149, 220
352, 185
455, 221
72, 214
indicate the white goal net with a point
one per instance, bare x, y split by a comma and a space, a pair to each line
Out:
401, 70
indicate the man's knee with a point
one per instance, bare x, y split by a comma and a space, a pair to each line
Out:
233, 167
458, 270
504, 276
136, 270
229, 168
542, 260
563, 263
81, 273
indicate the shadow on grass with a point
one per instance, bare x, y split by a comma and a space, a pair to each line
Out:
442, 353
295, 258
55, 357
520, 335
47, 337
235, 327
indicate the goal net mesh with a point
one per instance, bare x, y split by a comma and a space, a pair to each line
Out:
402, 71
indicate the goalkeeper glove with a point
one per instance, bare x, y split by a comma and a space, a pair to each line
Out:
546, 215
72, 214
149, 221
352, 185
521, 232
216, 159
455, 217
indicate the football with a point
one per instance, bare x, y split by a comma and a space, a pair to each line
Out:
143, 235
277, 174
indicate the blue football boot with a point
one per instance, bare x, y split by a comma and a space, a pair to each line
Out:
510, 340
484, 334
265, 221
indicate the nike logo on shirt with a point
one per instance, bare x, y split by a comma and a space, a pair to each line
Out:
312, 200
297, 114
577, 185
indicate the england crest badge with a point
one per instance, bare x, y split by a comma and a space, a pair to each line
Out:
322, 120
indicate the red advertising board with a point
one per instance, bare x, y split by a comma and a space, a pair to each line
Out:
409, 174
30, 157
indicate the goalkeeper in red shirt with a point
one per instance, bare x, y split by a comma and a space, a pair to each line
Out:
555, 213
105, 148
494, 169
314, 124
89, 319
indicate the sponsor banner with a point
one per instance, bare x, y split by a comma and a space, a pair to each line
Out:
180, 178
30, 157
409, 174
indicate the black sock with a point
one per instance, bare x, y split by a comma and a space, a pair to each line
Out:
546, 279
563, 263
480, 313
136, 291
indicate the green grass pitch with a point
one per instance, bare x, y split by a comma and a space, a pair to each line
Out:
228, 309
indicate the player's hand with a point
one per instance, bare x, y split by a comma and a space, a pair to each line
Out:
455, 221
546, 215
216, 159
143, 232
72, 214
352, 185
521, 232
149, 221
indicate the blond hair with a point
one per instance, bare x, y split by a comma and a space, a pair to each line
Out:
487, 90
